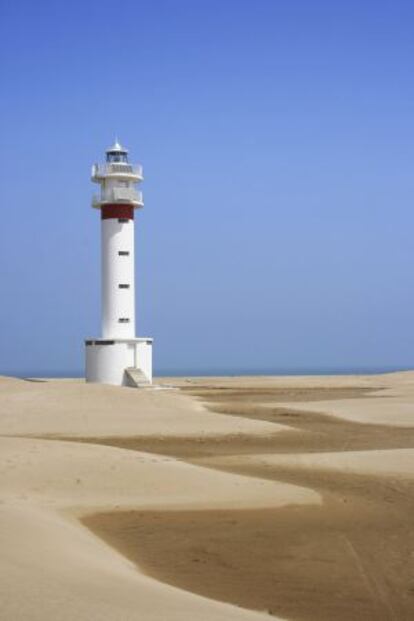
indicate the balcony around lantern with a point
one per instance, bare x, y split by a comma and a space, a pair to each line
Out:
119, 195
118, 170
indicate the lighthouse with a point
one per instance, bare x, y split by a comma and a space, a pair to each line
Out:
118, 357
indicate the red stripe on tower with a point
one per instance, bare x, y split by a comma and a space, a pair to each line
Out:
117, 211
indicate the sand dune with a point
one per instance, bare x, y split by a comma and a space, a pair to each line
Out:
51, 568
77, 409
389, 463
221, 498
68, 475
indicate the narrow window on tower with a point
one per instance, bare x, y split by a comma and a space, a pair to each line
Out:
123, 320
123, 286
122, 220
123, 253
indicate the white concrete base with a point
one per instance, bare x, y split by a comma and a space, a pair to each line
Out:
107, 359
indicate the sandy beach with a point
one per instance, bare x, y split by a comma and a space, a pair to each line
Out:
208, 498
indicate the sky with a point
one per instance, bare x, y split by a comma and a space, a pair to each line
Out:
277, 139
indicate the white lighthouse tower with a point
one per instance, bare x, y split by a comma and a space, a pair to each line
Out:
118, 357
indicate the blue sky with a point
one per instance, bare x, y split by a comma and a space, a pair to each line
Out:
277, 139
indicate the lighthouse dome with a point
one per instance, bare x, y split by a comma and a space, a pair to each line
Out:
117, 153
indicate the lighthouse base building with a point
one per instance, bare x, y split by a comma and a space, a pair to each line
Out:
118, 357
122, 362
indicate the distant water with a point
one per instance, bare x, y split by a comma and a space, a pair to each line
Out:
280, 371
42, 373
209, 372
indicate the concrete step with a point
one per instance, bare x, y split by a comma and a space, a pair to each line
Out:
136, 377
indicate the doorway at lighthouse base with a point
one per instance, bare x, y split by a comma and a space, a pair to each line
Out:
121, 362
